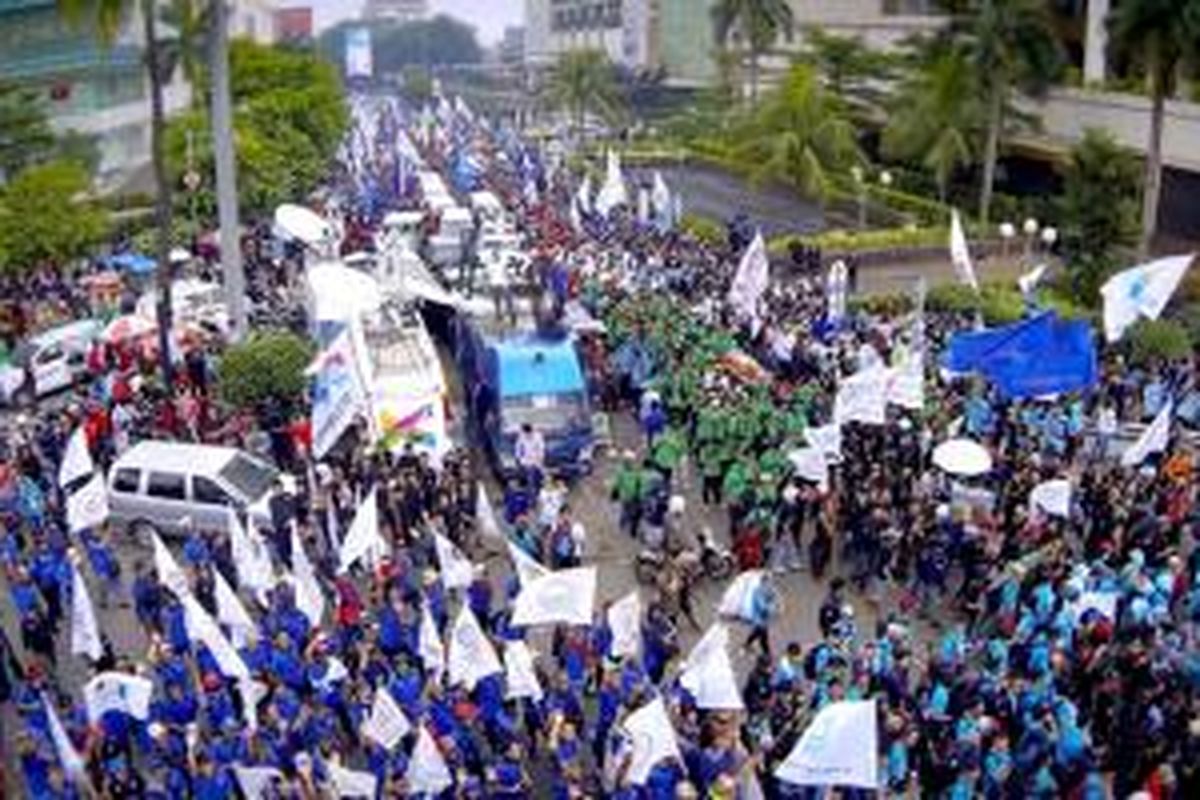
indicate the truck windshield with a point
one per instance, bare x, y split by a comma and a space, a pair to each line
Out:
250, 478
546, 412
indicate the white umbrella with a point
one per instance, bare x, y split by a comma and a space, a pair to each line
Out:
302, 223
962, 457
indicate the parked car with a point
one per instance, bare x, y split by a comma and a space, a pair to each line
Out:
162, 486
47, 362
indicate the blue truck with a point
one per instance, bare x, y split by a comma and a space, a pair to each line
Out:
526, 377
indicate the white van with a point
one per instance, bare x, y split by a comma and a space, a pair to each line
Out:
157, 485
447, 247
47, 362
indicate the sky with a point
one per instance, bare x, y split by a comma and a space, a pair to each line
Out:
488, 16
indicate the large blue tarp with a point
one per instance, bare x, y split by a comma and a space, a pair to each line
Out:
1041, 355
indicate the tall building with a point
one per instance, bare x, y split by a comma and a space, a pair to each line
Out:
99, 91
294, 24
397, 11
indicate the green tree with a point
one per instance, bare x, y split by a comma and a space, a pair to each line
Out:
583, 82
104, 17
799, 132
758, 23
1152, 340
267, 365
936, 117
1013, 49
1098, 211
191, 20
44, 218
25, 135
1162, 36
850, 69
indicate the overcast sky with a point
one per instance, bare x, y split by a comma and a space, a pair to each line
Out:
488, 16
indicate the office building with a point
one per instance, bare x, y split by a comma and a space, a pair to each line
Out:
397, 11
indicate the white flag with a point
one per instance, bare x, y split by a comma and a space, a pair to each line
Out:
960, 254
836, 286
252, 692
457, 572
76, 461
489, 525
429, 645
309, 598
753, 274
840, 747
1141, 291
738, 599
862, 397
256, 781
1030, 280
170, 574
387, 724
652, 740
519, 674
118, 691
565, 596
68, 756
904, 385
351, 783
1052, 497
87, 506
1153, 440
85, 633
715, 639
230, 611
363, 535
471, 656
625, 622
643, 206
203, 628
828, 438
613, 192
583, 198
711, 680
660, 195
251, 558
809, 464
427, 771
528, 569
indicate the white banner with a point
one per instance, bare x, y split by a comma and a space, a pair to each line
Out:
456, 571
519, 673
363, 536
118, 691
170, 574
840, 747
1153, 440
528, 569
960, 254
1141, 291
862, 397
251, 558
429, 645
337, 393
351, 783
85, 633
309, 597
564, 596
625, 622
1053, 497
427, 771
753, 274
738, 598
471, 656
87, 506
230, 611
77, 460
387, 724
652, 740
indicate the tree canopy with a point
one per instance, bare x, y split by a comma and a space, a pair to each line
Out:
46, 218
289, 118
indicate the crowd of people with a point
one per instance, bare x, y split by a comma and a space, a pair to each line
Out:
1026, 654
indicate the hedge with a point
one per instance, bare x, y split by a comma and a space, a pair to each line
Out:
853, 241
705, 229
1153, 340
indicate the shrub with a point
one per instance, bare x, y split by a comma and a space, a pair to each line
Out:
267, 364
889, 304
999, 302
1158, 340
706, 230
854, 241
952, 298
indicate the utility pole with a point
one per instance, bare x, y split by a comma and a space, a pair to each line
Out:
227, 199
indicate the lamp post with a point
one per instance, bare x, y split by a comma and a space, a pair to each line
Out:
1049, 237
1029, 228
860, 178
1007, 232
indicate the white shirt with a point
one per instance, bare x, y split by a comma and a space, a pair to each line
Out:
530, 449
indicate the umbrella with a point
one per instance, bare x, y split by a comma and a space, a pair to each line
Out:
129, 326
962, 457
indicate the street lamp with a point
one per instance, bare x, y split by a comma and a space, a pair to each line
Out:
860, 178
885, 179
1049, 236
1007, 232
1030, 228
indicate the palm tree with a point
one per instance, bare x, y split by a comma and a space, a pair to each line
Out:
850, 69
1013, 48
105, 17
192, 21
1160, 35
800, 132
758, 22
936, 117
583, 82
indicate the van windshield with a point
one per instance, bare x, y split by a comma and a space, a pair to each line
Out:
549, 413
250, 478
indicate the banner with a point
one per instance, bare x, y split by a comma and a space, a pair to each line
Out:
169, 573
85, 633
257, 782
1154, 438
427, 771
613, 192
456, 571
87, 506
625, 622
1141, 291
960, 254
230, 611
862, 397
70, 758
712, 682
309, 597
471, 655
753, 274
429, 645
337, 393
77, 460
363, 536
652, 740
809, 464
251, 558
359, 60
519, 673
118, 691
1052, 497
738, 598
840, 747
528, 569
387, 724
351, 783
1038, 356
564, 596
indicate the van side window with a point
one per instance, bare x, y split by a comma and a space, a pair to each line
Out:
166, 485
127, 480
208, 492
